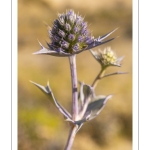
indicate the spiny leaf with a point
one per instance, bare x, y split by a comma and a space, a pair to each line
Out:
96, 106
46, 90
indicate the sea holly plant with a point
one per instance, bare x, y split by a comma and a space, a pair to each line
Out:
70, 36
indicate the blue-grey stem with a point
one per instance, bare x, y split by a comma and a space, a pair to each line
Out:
72, 60
71, 137
98, 77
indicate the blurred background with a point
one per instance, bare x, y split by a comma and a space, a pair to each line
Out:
40, 125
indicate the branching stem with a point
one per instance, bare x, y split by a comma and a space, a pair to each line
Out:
100, 75
115, 73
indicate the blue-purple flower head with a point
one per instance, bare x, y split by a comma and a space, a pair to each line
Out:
70, 35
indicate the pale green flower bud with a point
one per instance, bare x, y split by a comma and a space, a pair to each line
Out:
107, 57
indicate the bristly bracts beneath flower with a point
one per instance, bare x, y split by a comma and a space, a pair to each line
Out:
69, 35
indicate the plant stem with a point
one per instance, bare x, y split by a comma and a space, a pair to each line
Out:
115, 73
71, 137
99, 76
72, 60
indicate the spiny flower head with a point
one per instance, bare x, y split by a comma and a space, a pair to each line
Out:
69, 35
107, 57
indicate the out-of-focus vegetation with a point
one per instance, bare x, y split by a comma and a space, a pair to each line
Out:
40, 125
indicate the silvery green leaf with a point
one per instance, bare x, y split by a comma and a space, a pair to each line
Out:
81, 94
46, 90
96, 106
87, 91
99, 40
